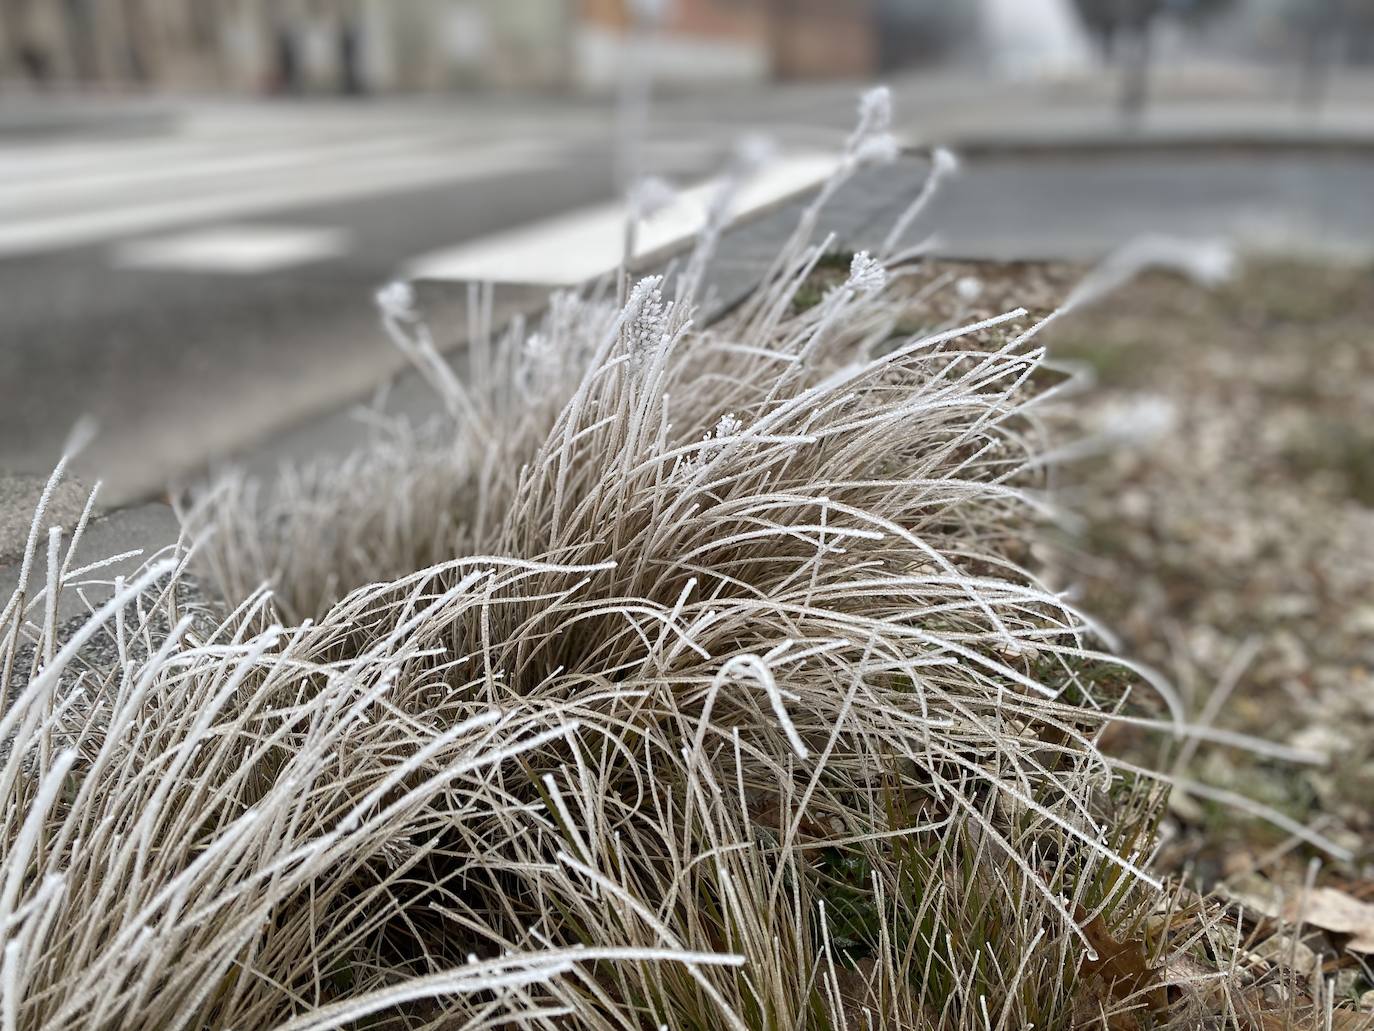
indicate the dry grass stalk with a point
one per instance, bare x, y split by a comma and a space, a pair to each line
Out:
680, 676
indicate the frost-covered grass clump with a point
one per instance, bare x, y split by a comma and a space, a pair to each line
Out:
684, 676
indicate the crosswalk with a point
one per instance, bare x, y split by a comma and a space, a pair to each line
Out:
582, 245
97, 193
216, 196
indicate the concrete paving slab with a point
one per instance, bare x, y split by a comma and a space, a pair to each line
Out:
145, 529
19, 494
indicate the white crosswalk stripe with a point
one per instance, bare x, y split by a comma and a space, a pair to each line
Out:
77, 194
239, 250
215, 194
189, 170
579, 246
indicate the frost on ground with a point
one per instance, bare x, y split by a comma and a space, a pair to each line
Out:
1244, 528
679, 676
1222, 513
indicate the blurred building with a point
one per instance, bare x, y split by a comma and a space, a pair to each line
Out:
823, 38
386, 46
114, 42
346, 46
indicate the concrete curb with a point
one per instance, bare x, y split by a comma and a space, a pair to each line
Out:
1145, 140
87, 121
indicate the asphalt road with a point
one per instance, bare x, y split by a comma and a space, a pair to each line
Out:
178, 365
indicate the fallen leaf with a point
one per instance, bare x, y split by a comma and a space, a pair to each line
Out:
1122, 971
1333, 910
1287, 951
1193, 984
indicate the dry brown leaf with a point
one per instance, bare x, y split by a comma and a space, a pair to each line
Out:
1193, 988
1258, 1013
1351, 1020
1333, 910
1122, 972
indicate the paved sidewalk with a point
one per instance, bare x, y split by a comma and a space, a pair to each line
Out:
1193, 104
1202, 106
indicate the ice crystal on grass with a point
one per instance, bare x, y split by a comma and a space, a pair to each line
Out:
866, 275
649, 196
875, 111
878, 149
396, 300
728, 426
646, 317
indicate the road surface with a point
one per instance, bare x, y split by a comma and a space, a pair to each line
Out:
198, 290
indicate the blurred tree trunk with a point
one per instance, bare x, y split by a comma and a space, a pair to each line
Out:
1134, 24
1320, 39
78, 25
